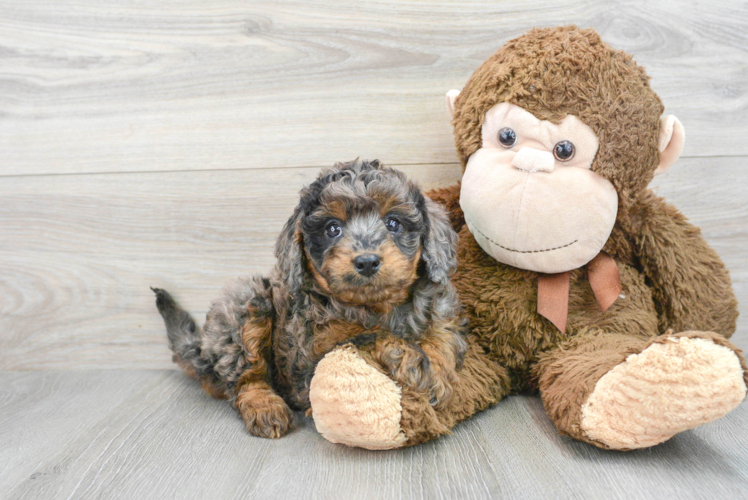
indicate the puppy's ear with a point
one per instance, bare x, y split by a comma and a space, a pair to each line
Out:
440, 243
289, 251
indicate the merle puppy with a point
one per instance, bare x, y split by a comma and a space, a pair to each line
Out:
364, 259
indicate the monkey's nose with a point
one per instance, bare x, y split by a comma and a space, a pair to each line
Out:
534, 160
367, 264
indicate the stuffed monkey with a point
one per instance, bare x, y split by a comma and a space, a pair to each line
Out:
579, 282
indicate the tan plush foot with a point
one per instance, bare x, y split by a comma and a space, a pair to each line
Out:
354, 404
668, 388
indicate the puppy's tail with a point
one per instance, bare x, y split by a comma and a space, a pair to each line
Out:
184, 336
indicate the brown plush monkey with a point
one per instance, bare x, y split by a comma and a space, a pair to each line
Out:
578, 281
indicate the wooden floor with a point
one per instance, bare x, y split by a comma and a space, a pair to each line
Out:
163, 143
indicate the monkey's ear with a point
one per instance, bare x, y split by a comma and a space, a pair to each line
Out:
289, 252
451, 96
672, 138
440, 245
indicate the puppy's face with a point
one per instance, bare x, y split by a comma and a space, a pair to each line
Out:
362, 236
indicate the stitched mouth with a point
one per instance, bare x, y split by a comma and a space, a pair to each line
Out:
514, 250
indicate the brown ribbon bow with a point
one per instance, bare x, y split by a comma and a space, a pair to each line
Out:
553, 289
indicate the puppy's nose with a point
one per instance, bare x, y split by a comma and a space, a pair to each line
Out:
367, 264
534, 160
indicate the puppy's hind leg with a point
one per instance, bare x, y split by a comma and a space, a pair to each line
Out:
264, 412
185, 341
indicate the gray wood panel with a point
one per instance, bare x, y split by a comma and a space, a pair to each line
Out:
155, 434
79, 252
87, 86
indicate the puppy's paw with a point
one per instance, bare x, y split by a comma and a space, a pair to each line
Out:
413, 367
267, 416
441, 386
405, 362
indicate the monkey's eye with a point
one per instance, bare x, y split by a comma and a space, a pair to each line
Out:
564, 151
333, 230
393, 225
507, 137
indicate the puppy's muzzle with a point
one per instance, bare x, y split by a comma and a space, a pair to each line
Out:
367, 264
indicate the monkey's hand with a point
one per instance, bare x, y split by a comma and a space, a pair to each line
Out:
689, 280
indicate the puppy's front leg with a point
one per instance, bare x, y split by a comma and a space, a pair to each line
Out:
264, 412
405, 362
429, 364
445, 347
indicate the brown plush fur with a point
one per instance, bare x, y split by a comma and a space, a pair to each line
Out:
559, 71
568, 373
671, 278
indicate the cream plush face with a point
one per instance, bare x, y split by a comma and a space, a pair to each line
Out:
533, 202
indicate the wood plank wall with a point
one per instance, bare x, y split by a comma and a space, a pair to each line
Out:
164, 143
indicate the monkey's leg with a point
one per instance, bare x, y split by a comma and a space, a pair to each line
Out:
356, 402
620, 392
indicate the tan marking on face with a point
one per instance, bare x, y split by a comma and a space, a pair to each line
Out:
336, 209
386, 289
318, 278
387, 202
398, 269
338, 261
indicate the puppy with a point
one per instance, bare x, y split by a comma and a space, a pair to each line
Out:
365, 259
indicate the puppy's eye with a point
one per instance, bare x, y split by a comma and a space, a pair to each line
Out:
507, 137
564, 151
393, 225
333, 230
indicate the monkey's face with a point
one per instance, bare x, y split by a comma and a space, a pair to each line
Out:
363, 241
529, 195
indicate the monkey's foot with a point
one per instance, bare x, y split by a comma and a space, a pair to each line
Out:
675, 384
355, 404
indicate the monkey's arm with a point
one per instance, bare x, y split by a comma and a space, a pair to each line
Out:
690, 283
449, 198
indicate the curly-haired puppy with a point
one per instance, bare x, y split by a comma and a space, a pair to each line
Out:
364, 259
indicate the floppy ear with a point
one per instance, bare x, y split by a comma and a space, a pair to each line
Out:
440, 243
289, 252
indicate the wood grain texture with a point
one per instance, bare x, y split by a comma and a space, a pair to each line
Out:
87, 86
79, 252
155, 434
